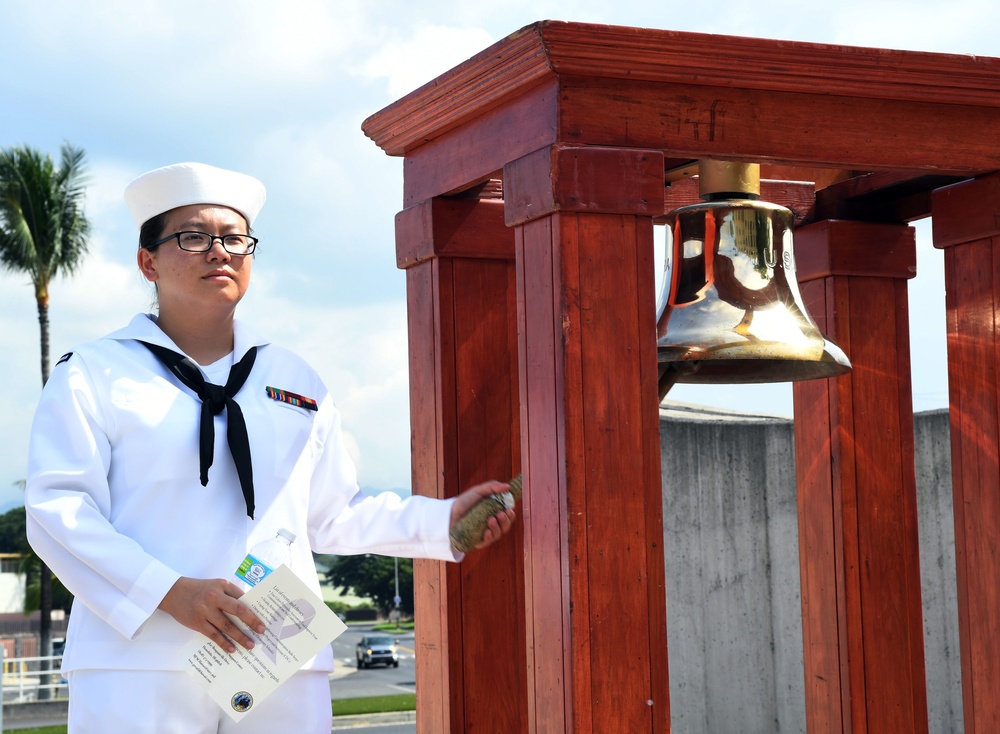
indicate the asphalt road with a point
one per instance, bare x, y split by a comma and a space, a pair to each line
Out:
381, 728
349, 682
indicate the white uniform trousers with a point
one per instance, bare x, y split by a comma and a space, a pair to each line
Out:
172, 702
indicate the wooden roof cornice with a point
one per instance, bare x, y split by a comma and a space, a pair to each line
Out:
549, 50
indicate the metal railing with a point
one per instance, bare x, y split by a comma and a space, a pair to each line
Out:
24, 679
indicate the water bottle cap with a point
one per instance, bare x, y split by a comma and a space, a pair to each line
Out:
288, 534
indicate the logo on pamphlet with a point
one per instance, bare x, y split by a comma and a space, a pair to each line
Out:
242, 701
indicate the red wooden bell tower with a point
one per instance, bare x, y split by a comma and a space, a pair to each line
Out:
533, 175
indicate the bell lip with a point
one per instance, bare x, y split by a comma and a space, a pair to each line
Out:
749, 368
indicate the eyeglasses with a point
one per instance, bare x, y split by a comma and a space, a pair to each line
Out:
234, 244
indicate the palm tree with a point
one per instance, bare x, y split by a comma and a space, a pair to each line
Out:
43, 232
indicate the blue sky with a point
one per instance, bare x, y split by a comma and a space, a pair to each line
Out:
280, 90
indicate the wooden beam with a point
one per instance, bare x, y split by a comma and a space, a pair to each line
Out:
584, 178
884, 196
452, 228
967, 211
473, 152
771, 126
844, 248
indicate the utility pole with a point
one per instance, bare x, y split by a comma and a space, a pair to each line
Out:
396, 599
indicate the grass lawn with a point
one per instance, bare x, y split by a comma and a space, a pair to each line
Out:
375, 704
391, 627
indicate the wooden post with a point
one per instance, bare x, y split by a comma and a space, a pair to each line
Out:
595, 604
966, 221
861, 608
458, 256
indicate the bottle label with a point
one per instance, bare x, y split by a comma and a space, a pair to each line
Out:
253, 570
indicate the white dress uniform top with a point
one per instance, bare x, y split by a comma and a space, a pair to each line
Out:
116, 508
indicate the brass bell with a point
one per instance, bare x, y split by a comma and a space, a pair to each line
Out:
730, 311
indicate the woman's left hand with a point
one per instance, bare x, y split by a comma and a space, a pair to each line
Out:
497, 525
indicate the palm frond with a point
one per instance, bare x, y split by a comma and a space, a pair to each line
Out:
43, 228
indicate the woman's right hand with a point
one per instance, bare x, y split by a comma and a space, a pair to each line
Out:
202, 605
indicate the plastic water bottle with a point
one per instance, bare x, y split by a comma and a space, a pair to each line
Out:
266, 556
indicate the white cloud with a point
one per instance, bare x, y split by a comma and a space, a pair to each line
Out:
926, 25
361, 354
409, 58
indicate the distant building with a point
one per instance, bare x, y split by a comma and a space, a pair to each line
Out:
11, 584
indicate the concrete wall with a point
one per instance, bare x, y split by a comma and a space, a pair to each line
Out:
937, 572
731, 544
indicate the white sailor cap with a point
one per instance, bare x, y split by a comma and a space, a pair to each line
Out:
182, 184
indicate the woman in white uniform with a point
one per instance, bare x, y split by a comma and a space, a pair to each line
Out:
146, 487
